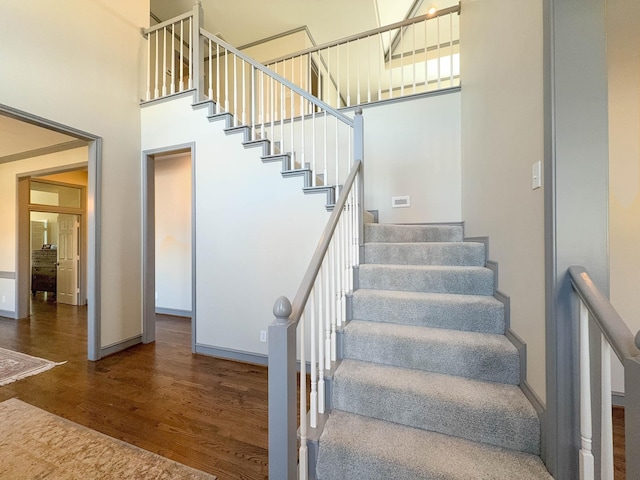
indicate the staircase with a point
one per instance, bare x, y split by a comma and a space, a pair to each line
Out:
428, 383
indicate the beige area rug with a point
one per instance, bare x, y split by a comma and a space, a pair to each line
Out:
15, 366
35, 444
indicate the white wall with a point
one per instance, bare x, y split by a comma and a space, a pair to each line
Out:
255, 231
80, 63
502, 137
413, 148
8, 194
173, 232
623, 57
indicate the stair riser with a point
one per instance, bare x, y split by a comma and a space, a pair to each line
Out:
495, 427
462, 254
412, 233
477, 281
459, 360
469, 317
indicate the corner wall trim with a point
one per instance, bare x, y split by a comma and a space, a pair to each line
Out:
174, 312
230, 354
8, 275
119, 346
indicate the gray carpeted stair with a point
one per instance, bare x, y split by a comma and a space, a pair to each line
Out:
428, 383
477, 313
357, 447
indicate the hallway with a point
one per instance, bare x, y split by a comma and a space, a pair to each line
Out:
204, 412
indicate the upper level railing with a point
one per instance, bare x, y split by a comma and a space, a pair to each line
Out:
613, 335
417, 55
311, 134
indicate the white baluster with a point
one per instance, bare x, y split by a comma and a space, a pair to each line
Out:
302, 115
262, 105
320, 344
235, 91
210, 72
302, 454
314, 180
606, 460
338, 76
340, 272
292, 112
426, 54
380, 59
218, 95
358, 72
313, 397
191, 59
451, 49
156, 91
369, 69
181, 84
439, 54
243, 64
413, 56
390, 64
586, 456
282, 113
327, 310
253, 102
226, 80
173, 58
325, 170
334, 296
149, 66
164, 61
401, 45
272, 137
348, 74
336, 181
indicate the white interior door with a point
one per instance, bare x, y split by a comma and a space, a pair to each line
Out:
68, 259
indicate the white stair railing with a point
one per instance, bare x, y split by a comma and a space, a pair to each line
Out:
417, 55
314, 135
614, 336
317, 314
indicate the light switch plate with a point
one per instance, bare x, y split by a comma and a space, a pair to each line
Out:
536, 175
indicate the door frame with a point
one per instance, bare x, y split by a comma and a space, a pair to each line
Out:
149, 240
80, 212
93, 226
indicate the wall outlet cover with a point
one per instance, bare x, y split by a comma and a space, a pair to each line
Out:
402, 201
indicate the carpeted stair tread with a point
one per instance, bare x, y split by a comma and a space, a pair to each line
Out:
493, 413
427, 278
478, 313
377, 232
466, 354
391, 451
426, 253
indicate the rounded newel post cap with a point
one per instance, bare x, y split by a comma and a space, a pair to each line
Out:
638, 339
359, 111
282, 308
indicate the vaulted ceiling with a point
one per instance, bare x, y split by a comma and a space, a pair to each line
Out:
245, 21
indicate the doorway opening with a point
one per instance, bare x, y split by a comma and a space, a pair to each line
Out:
58, 240
168, 237
42, 147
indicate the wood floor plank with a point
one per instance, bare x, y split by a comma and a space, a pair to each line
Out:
208, 413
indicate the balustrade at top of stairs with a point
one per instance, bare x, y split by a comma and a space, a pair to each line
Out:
427, 386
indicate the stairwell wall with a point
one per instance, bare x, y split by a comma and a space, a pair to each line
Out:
502, 137
80, 63
255, 231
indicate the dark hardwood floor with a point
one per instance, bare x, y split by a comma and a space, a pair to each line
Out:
207, 413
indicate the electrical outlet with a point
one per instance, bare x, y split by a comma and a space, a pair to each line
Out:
156, 295
263, 336
4, 299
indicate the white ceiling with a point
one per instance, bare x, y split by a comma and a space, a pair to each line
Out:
18, 137
245, 21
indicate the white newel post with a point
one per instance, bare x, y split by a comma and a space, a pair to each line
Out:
586, 456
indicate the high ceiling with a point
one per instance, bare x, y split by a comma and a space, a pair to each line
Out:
245, 21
